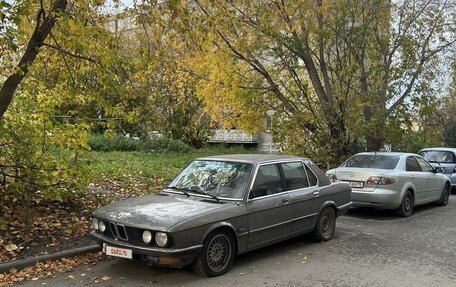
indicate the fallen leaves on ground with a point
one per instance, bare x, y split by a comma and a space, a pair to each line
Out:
48, 269
53, 223
58, 224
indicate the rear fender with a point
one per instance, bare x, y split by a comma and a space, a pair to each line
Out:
327, 203
408, 186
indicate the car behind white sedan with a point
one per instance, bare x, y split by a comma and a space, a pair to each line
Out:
392, 180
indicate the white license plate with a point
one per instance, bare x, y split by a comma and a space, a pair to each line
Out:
357, 184
117, 252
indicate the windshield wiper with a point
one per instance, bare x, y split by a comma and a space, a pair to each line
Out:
183, 190
194, 190
203, 192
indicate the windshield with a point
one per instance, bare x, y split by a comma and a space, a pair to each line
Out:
216, 178
372, 161
438, 156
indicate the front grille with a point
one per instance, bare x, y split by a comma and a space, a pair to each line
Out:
112, 229
121, 232
118, 231
126, 233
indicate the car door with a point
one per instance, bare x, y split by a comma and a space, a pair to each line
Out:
434, 183
269, 214
417, 178
304, 207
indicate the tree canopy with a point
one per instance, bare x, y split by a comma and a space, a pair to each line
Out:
335, 77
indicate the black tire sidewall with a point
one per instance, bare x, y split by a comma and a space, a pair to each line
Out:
404, 212
445, 195
201, 265
318, 228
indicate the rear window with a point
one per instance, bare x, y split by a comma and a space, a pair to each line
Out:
438, 156
372, 161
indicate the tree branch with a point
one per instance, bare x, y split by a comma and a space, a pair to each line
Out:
60, 49
38, 37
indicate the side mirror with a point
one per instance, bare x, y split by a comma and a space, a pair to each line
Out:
438, 169
257, 191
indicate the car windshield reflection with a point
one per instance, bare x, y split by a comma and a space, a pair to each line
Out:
217, 179
438, 156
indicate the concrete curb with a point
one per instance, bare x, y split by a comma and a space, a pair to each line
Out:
21, 264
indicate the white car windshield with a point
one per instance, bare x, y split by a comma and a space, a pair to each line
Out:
214, 178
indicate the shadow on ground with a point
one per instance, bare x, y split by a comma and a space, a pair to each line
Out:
385, 214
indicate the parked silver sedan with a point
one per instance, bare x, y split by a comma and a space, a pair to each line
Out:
444, 157
390, 180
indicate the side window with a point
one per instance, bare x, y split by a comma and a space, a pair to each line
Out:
425, 166
269, 177
294, 175
312, 178
412, 165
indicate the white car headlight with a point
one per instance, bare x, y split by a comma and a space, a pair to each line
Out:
161, 238
147, 236
95, 223
101, 226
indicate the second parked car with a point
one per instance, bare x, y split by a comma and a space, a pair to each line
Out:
444, 157
390, 180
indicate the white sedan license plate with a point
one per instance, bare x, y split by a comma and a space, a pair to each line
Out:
356, 184
118, 252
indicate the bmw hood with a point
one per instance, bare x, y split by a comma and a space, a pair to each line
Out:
157, 211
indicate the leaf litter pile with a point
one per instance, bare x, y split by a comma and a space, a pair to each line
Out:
49, 268
56, 226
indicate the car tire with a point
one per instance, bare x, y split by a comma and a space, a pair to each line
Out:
406, 208
445, 196
326, 225
217, 255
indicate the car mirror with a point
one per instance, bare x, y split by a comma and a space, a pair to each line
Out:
257, 191
438, 169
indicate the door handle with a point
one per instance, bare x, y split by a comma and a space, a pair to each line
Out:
412, 177
316, 193
285, 200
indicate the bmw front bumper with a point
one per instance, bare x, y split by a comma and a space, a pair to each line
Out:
172, 257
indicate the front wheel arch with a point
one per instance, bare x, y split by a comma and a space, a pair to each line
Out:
446, 192
219, 226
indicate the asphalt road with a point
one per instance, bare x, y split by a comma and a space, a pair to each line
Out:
370, 248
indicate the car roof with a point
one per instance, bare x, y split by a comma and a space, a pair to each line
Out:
252, 158
387, 153
440, 149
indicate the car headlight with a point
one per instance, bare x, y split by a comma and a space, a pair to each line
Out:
101, 226
147, 236
95, 223
161, 238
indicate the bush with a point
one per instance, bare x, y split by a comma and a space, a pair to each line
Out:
39, 156
99, 142
164, 145
120, 143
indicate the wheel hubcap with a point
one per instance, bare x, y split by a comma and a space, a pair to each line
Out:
218, 252
407, 203
326, 224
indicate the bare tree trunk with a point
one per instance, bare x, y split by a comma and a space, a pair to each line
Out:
43, 28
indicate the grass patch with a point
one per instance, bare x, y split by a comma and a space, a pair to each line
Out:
139, 173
